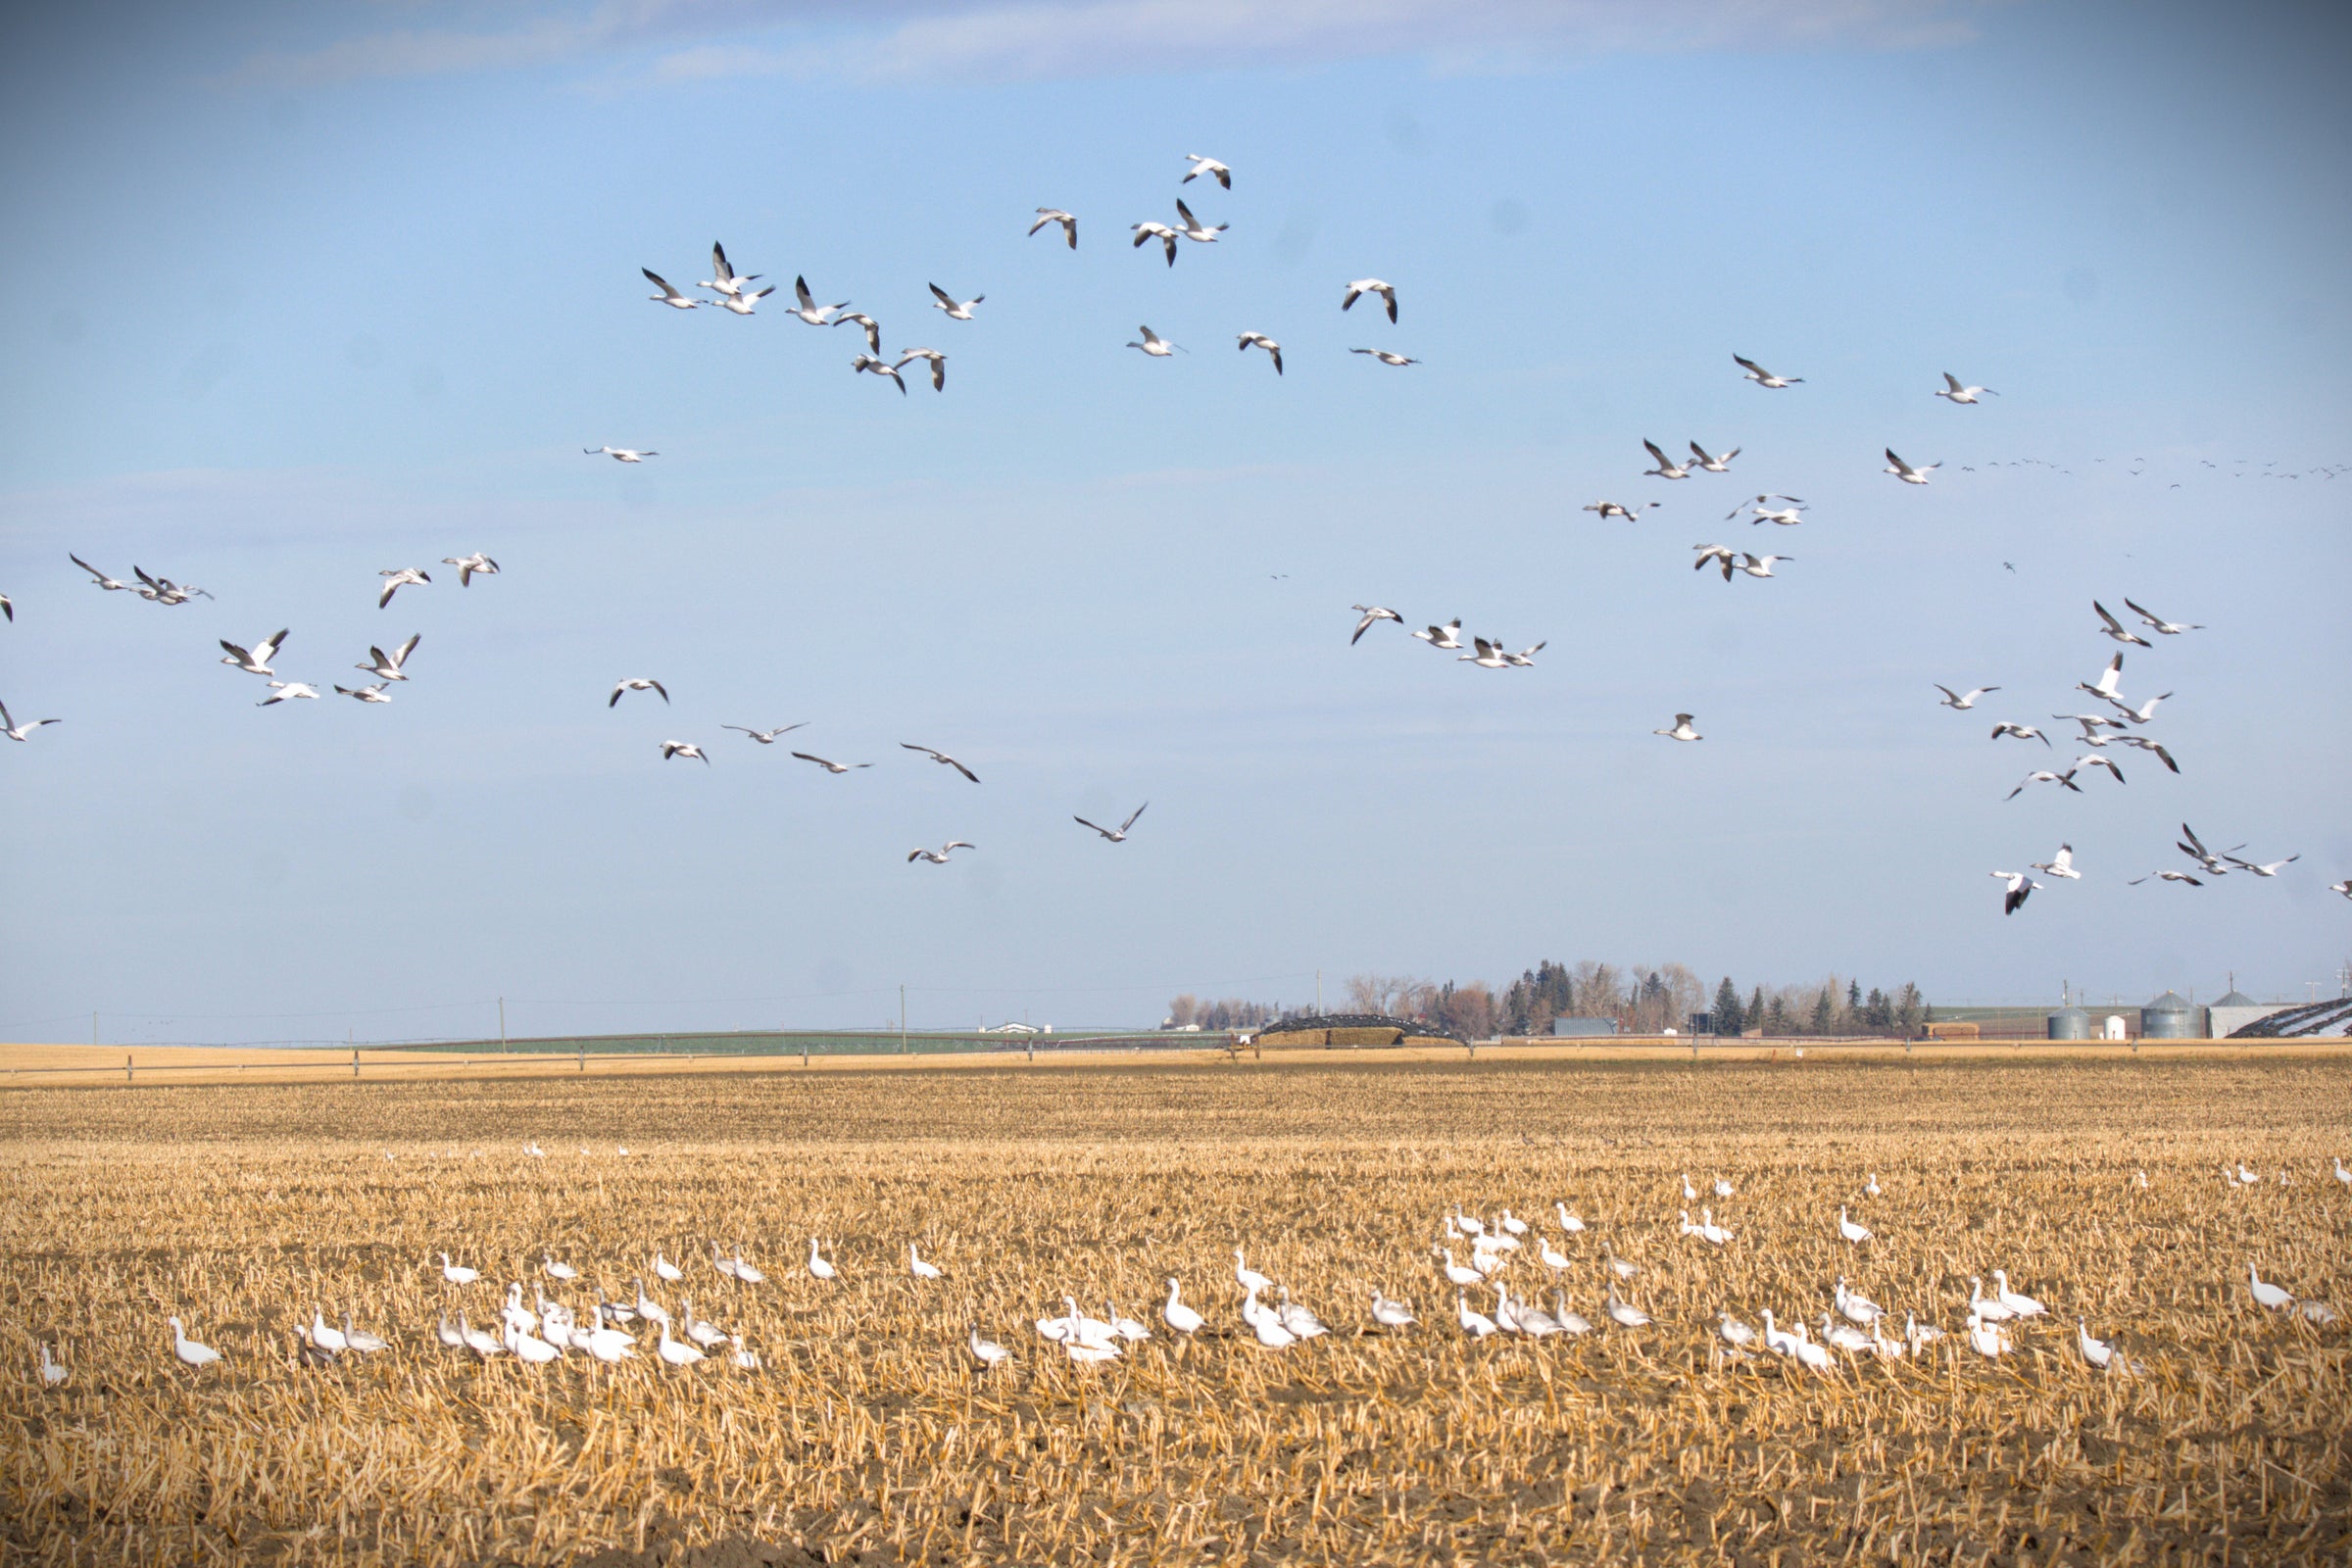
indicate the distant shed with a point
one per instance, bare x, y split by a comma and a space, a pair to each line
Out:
1583, 1028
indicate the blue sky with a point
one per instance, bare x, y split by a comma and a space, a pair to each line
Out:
296, 294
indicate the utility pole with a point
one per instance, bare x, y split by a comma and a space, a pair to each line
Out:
1319, 992
93, 1026
901, 1020
502, 1023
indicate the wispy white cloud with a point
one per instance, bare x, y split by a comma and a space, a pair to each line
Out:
1030, 40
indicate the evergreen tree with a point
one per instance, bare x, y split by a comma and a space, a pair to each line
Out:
1825, 1012
1877, 1012
1776, 1019
1910, 1009
1853, 1002
1753, 1017
1729, 1019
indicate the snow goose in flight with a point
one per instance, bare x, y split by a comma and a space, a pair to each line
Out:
2271, 869
2344, 887
163, 590
1682, 731
829, 766
2158, 625
620, 453
872, 328
1787, 517
767, 737
1722, 464
472, 566
1387, 358
1159, 348
1259, 340
256, 662
102, 579
1447, 636
2021, 888
1485, 655
1055, 215
1120, 837
1716, 555
743, 304
670, 749
395, 579
2108, 763
1372, 613
1752, 371
939, 856
809, 311
366, 693
1759, 566
188, 1351
1959, 702
2166, 876
722, 278
1611, 508
2153, 748
15, 731
2023, 732
2114, 628
937, 361
2194, 847
941, 757
385, 667
1161, 233
1666, 467
1953, 391
867, 363
284, 691
668, 295
2060, 865
1370, 285
1194, 230
2141, 715
1525, 657
957, 310
2105, 685
636, 683
1210, 166
1904, 471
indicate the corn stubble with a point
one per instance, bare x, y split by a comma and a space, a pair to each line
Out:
870, 1437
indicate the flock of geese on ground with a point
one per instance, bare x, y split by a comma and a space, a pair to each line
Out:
1851, 1325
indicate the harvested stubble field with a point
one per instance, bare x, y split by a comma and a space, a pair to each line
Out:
871, 1437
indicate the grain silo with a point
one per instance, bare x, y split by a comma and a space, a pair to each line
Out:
2171, 1018
2070, 1023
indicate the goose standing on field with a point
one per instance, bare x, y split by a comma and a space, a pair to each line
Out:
361, 1341
188, 1351
647, 1307
1779, 1340
1855, 1306
921, 1269
745, 1360
1853, 1341
1370, 285
1390, 1314
1159, 348
529, 1349
677, 1352
819, 1267
448, 1333
1722, 1187
1296, 1318
1986, 1338
1070, 231
2266, 1294
1176, 1315
1568, 1222
957, 310
1455, 1273
1267, 1325
1248, 1278
1736, 1333
53, 1372
1624, 1313
620, 453
326, 1335
1980, 1305
1752, 371
1870, 1188
1849, 1230
2098, 1352
668, 295
457, 1273
1259, 340
987, 1353
1474, 1323
1954, 392
1904, 471
664, 1269
709, 1336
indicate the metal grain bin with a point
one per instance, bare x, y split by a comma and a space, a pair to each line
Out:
2170, 1017
2070, 1023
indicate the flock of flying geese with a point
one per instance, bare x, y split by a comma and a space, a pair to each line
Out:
1851, 1326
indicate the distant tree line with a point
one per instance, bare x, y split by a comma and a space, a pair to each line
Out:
1641, 998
